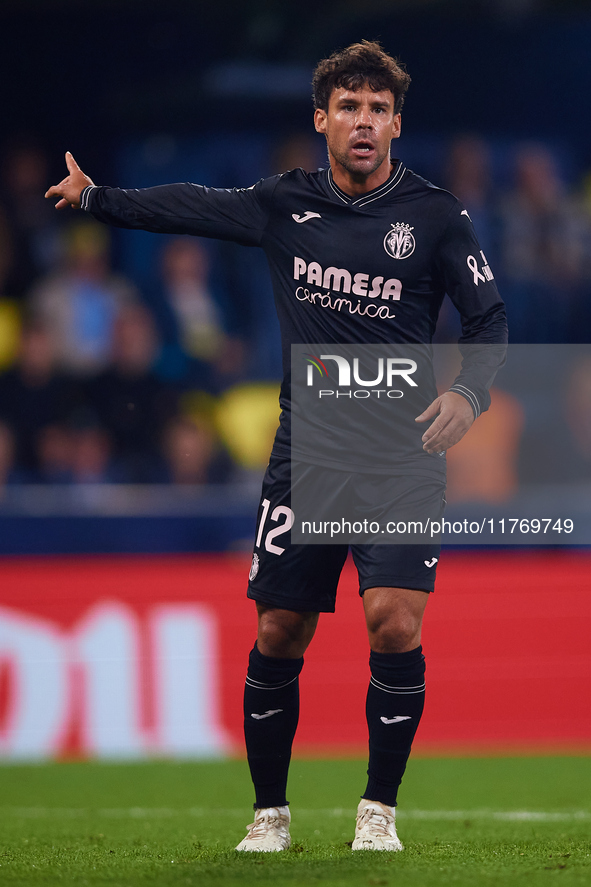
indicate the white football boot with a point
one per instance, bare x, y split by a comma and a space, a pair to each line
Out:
376, 827
269, 832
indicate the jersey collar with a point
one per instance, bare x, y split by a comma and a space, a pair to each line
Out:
392, 182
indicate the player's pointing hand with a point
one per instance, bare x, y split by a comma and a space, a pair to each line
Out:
70, 188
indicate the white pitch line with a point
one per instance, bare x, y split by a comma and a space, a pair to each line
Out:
502, 815
169, 812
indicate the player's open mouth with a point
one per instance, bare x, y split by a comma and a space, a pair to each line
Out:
363, 149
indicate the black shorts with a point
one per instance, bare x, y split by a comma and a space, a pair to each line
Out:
305, 577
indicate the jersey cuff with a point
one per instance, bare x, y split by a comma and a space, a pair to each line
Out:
85, 195
470, 397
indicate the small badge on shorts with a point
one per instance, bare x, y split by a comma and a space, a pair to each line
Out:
254, 567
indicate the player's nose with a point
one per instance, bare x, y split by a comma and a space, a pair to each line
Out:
363, 120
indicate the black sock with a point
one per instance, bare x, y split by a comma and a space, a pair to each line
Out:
395, 700
271, 711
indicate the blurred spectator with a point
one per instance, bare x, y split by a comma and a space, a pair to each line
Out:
557, 444
6, 252
191, 453
76, 453
35, 225
544, 242
184, 274
250, 314
208, 357
34, 394
299, 150
81, 302
54, 455
9, 312
129, 401
10, 323
247, 417
468, 177
90, 460
9, 473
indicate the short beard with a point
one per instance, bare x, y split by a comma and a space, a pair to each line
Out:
356, 174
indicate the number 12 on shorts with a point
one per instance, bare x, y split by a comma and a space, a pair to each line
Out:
276, 514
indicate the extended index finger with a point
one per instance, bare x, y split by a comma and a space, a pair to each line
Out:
71, 163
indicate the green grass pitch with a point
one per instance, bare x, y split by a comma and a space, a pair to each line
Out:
471, 821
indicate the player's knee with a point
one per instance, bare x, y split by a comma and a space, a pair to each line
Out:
393, 632
285, 634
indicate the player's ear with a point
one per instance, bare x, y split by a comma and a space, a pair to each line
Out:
320, 120
396, 126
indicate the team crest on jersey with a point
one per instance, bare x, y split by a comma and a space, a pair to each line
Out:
254, 567
399, 242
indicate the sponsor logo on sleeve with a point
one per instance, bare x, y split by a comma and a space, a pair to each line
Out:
484, 273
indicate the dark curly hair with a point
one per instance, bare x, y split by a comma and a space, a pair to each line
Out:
357, 65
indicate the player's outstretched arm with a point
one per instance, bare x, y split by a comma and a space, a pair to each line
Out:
70, 188
453, 417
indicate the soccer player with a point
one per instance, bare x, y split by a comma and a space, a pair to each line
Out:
360, 252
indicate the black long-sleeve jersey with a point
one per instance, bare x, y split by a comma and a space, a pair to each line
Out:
370, 269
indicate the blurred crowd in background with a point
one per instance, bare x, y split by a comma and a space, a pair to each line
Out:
171, 377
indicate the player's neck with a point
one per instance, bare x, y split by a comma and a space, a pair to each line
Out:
353, 184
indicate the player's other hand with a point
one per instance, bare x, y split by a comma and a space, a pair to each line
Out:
70, 188
453, 417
